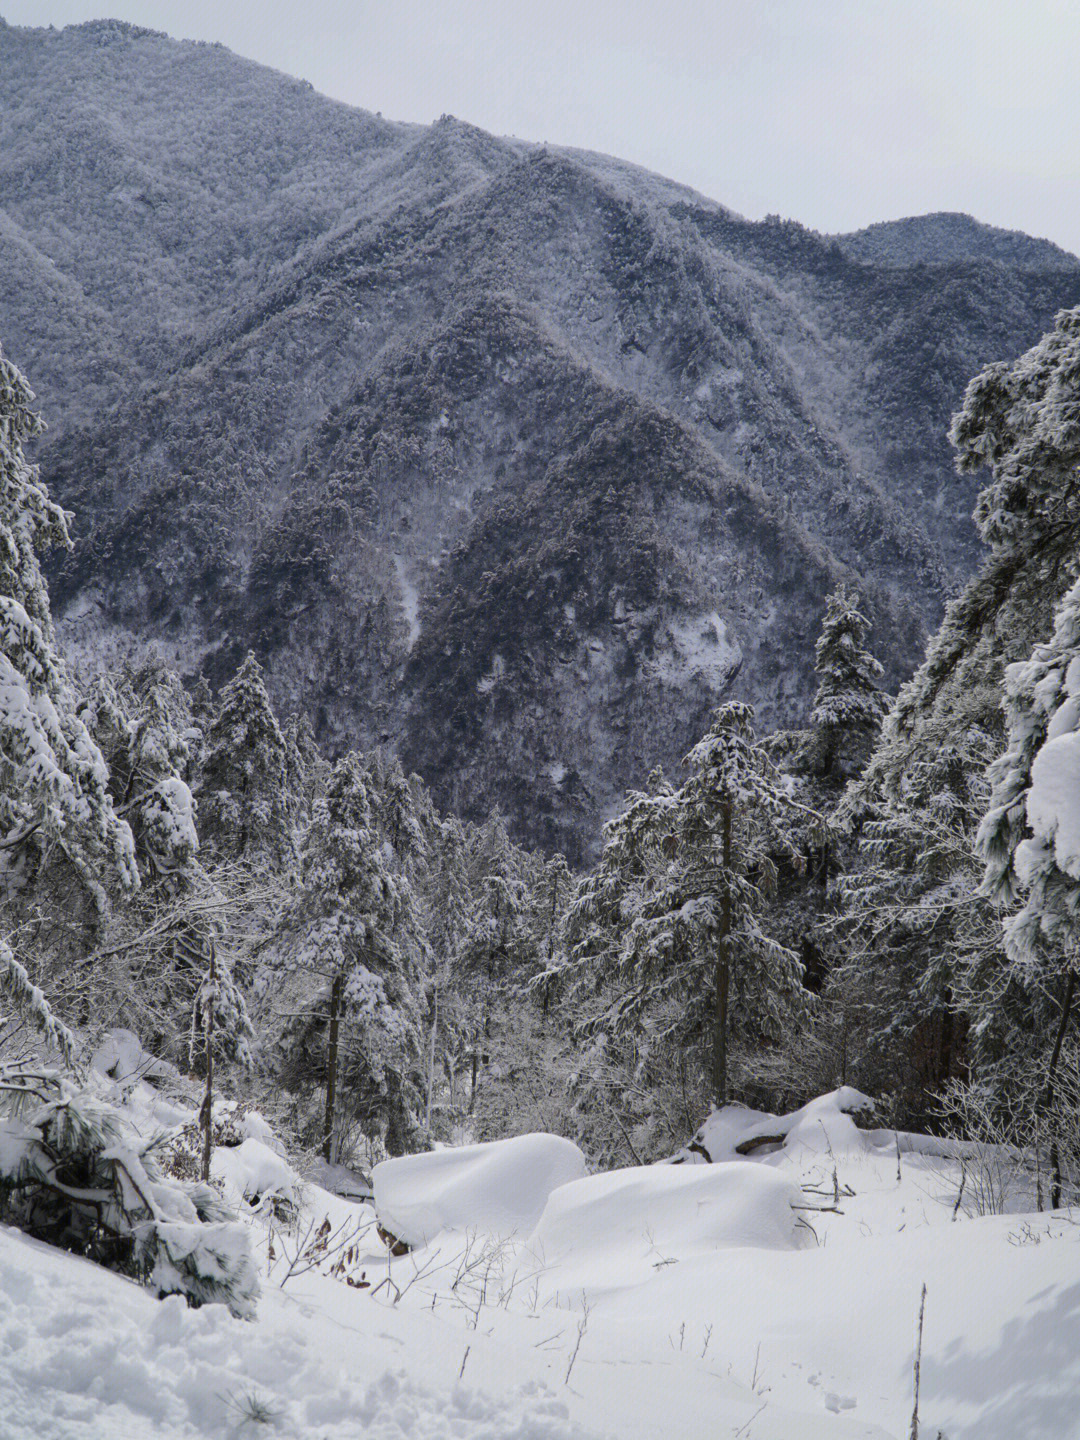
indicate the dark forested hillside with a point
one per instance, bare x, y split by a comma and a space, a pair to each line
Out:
512, 458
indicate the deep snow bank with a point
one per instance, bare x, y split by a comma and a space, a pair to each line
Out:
498, 1188
618, 1228
87, 1355
824, 1126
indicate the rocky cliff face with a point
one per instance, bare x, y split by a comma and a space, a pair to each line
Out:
516, 460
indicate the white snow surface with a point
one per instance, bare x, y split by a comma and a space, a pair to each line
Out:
626, 1224
410, 600
825, 1124
499, 1188
670, 1302
700, 647
251, 1171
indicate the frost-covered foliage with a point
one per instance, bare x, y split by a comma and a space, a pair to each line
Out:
219, 1018
669, 926
74, 1172
1035, 789
909, 926
31, 1003
244, 792
219, 1025
1029, 841
1018, 419
152, 746
848, 706
54, 800
353, 932
1021, 420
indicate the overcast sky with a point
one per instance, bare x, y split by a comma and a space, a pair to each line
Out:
834, 112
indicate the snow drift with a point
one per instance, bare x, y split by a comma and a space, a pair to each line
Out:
499, 1188
622, 1226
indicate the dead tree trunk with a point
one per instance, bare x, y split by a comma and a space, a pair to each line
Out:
723, 969
1048, 1093
206, 1113
337, 990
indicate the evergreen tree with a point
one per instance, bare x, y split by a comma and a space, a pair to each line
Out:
354, 928
908, 928
1029, 841
143, 720
495, 938
244, 798
54, 801
848, 706
924, 781
673, 911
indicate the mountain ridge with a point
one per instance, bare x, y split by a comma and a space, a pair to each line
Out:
378, 442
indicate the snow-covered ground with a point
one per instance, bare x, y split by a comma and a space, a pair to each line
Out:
680, 1300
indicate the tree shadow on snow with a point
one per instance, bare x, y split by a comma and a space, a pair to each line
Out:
1028, 1385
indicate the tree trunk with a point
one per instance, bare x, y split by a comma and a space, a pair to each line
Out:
337, 989
723, 971
431, 1057
206, 1114
948, 1036
1048, 1094
475, 1069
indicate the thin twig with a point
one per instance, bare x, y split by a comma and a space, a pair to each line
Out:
918, 1367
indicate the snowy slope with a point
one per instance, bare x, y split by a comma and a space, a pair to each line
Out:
637, 1309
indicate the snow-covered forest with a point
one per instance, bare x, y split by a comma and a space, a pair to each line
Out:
271, 1019
334, 1103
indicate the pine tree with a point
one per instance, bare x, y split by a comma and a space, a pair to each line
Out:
354, 928
244, 797
1018, 420
54, 800
1029, 841
143, 719
495, 939
908, 928
848, 706
672, 914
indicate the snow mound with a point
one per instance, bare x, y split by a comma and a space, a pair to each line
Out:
824, 1126
499, 1188
121, 1057
254, 1174
88, 1356
620, 1227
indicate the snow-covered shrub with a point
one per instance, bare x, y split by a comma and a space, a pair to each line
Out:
74, 1173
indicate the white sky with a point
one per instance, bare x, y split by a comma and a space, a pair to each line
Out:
833, 112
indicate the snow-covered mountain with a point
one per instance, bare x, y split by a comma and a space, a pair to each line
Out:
513, 458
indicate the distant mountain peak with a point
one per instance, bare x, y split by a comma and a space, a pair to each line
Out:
949, 236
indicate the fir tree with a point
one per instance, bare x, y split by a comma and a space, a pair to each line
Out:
152, 745
848, 706
495, 937
673, 912
54, 800
354, 928
1018, 419
908, 929
244, 800
1029, 841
